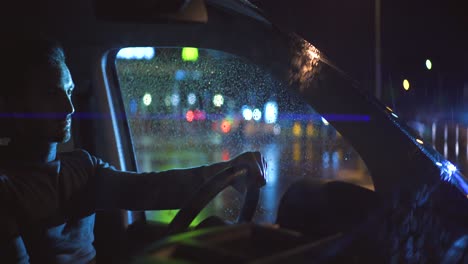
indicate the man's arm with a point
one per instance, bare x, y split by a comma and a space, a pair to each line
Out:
148, 191
168, 189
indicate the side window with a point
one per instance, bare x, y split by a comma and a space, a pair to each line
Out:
189, 107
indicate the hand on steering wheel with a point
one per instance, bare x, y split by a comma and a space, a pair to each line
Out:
246, 173
256, 166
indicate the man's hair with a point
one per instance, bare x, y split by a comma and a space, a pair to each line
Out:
23, 53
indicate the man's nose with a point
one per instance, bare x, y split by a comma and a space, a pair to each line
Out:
66, 106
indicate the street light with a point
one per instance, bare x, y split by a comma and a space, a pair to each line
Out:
428, 64
406, 84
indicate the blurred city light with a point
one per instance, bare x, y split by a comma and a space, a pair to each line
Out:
325, 122
428, 64
191, 98
133, 106
419, 141
147, 99
277, 129
180, 75
136, 53
218, 100
199, 115
257, 114
247, 113
310, 130
406, 84
175, 99
189, 54
225, 126
271, 112
189, 116
297, 129
167, 100
395, 115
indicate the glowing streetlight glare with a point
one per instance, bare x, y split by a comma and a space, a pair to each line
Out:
192, 98
257, 114
271, 112
147, 99
247, 114
406, 84
218, 100
428, 64
325, 122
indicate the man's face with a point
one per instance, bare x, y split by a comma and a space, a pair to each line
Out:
46, 107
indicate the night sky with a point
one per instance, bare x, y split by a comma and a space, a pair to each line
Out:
412, 31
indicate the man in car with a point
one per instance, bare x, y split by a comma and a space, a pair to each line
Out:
48, 199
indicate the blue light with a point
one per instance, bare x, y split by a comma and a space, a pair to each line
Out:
393, 114
133, 106
180, 75
447, 170
136, 53
271, 112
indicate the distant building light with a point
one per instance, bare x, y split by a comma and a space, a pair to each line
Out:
189, 54
218, 100
191, 98
271, 112
136, 53
257, 114
428, 64
147, 99
406, 84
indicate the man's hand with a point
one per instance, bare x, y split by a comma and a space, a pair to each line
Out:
256, 167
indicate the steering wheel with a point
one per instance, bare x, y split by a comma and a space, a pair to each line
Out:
208, 191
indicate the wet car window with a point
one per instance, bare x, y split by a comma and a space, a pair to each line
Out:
189, 107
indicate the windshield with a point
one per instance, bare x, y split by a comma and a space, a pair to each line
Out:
188, 107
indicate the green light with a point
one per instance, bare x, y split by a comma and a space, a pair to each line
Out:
428, 64
189, 54
166, 216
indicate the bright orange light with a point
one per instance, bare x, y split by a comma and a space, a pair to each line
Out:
225, 126
189, 116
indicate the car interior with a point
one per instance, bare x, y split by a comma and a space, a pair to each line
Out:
164, 84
